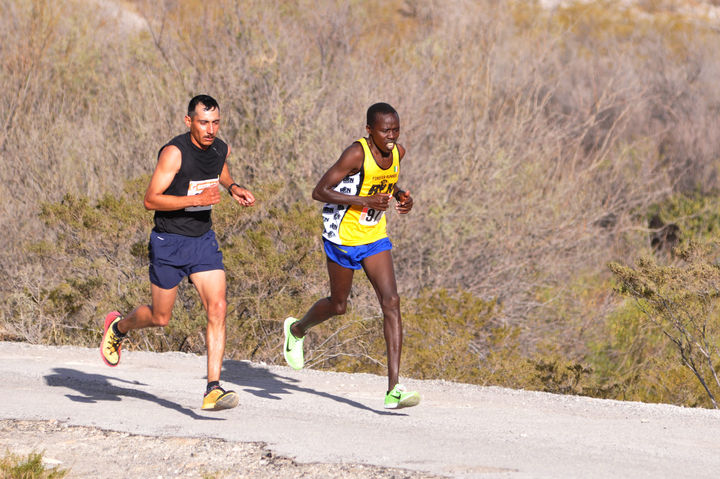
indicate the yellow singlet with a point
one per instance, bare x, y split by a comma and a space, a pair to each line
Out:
355, 225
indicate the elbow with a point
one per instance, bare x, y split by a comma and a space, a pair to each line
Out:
316, 195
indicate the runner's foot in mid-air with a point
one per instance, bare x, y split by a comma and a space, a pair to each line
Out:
112, 340
293, 348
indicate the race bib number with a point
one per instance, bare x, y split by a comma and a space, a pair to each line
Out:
370, 217
196, 187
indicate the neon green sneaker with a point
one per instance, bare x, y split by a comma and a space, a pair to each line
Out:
398, 398
111, 342
293, 349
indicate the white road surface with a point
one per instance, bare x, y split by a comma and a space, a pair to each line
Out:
458, 430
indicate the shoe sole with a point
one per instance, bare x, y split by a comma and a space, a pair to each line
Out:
111, 316
410, 402
407, 402
228, 400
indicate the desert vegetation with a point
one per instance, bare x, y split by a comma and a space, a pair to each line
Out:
544, 144
13, 466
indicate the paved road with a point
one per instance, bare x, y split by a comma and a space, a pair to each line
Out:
458, 430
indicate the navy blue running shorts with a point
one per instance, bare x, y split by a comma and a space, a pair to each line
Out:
173, 257
351, 256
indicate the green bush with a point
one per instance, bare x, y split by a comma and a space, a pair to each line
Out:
97, 262
683, 302
13, 466
696, 214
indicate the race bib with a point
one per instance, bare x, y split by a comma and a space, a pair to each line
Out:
370, 217
196, 187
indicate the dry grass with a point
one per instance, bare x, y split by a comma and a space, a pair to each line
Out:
536, 139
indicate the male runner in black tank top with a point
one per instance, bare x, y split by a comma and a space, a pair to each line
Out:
182, 190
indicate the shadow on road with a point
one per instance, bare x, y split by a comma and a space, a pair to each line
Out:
265, 384
96, 387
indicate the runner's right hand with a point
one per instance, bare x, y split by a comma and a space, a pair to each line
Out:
209, 196
380, 201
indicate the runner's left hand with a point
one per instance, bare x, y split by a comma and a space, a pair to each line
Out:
404, 202
243, 196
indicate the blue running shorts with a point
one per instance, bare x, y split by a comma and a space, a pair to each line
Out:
173, 257
351, 256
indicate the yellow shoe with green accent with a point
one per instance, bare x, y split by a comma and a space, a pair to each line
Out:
110, 345
218, 399
399, 398
293, 348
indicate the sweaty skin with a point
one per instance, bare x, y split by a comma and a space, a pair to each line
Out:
382, 138
211, 285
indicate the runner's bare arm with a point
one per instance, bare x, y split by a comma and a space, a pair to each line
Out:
167, 166
404, 200
349, 163
242, 195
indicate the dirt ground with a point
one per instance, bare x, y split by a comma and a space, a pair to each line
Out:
85, 451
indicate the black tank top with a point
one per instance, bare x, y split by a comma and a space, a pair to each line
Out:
197, 165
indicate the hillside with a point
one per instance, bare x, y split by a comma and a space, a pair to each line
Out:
544, 142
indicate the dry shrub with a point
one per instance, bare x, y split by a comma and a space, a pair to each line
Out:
536, 139
681, 301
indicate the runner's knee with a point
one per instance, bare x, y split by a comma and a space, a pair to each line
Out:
217, 308
390, 303
160, 320
338, 307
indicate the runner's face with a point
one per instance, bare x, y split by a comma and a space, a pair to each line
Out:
204, 126
385, 131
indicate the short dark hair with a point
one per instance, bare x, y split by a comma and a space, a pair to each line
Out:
379, 109
206, 100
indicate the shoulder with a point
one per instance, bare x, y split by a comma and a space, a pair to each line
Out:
221, 144
353, 157
401, 151
177, 143
169, 155
170, 150
354, 151
222, 148
181, 140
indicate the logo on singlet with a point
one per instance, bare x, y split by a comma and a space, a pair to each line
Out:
382, 187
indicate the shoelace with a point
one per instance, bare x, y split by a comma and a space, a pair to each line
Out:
113, 343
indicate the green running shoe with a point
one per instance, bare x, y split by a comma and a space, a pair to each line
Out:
398, 398
293, 349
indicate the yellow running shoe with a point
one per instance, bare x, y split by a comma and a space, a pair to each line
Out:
110, 345
218, 399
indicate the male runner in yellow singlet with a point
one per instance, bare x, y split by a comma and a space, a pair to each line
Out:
357, 191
